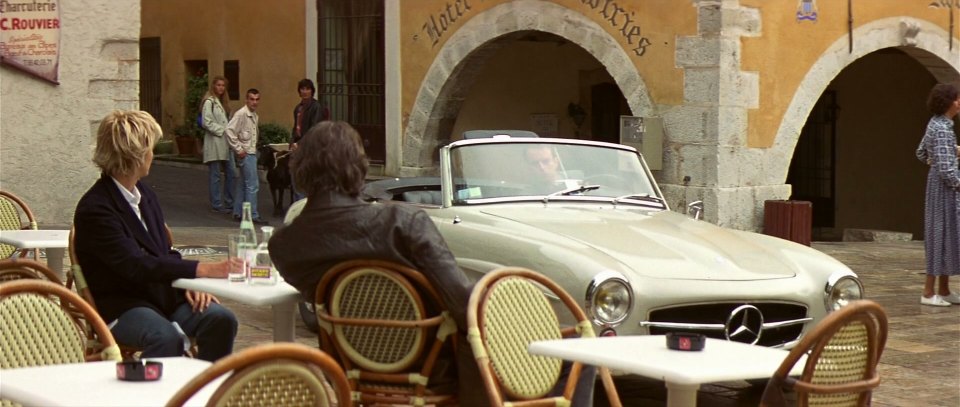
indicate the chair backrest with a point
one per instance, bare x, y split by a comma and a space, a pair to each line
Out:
11, 208
842, 356
75, 278
36, 327
17, 268
373, 317
277, 374
507, 311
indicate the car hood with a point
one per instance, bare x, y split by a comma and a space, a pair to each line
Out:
660, 244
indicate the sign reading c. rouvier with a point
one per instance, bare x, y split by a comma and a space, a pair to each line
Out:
30, 37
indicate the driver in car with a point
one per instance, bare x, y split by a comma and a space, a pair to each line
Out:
544, 163
546, 171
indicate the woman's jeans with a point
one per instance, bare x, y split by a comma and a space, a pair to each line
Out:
247, 186
214, 168
144, 328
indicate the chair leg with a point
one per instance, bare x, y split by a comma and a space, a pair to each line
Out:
612, 396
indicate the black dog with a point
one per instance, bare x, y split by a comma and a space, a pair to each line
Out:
278, 175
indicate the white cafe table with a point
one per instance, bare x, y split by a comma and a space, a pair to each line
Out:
96, 384
682, 371
282, 297
53, 241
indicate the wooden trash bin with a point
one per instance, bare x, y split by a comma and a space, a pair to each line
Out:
790, 220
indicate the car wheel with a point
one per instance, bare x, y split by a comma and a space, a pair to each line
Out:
308, 316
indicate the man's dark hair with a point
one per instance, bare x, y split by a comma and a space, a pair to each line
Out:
941, 96
306, 83
253, 91
329, 157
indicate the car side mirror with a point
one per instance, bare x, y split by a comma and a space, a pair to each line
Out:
695, 209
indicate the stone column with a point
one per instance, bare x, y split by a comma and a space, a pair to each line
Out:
706, 155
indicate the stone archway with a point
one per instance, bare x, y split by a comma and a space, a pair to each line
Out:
919, 38
461, 59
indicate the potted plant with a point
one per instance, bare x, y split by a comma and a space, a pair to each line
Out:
186, 139
189, 134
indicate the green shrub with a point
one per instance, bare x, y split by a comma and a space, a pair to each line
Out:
196, 87
272, 133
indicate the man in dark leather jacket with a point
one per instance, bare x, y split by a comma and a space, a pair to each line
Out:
336, 225
307, 113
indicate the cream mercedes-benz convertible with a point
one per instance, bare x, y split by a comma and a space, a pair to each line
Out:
590, 216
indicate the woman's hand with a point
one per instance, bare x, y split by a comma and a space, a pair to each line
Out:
199, 301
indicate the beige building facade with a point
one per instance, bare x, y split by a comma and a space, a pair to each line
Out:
255, 44
760, 100
48, 131
819, 100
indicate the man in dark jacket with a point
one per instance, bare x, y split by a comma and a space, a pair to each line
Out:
307, 113
336, 225
126, 256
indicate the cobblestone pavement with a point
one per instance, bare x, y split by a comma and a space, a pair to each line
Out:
920, 366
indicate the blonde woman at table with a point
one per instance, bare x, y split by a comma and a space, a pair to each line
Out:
127, 258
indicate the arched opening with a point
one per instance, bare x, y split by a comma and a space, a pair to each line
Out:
854, 158
472, 59
544, 83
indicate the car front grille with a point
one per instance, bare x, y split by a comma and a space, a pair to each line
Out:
782, 322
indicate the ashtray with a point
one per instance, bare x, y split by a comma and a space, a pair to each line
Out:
685, 341
139, 370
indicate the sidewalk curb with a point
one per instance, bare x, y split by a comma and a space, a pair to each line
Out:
179, 162
193, 163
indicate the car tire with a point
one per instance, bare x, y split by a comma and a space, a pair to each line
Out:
308, 316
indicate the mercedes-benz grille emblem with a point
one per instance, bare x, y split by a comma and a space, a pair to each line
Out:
744, 324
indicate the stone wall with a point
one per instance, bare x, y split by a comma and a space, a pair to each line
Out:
705, 152
47, 132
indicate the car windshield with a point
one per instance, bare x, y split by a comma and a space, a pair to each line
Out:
526, 170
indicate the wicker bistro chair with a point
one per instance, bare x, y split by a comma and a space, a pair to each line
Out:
76, 281
11, 208
842, 355
37, 329
499, 334
17, 268
372, 317
277, 374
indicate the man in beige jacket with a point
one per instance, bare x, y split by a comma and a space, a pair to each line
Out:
242, 136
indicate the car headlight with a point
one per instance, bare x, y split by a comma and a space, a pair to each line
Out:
609, 298
841, 289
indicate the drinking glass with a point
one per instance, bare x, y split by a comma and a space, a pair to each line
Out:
236, 249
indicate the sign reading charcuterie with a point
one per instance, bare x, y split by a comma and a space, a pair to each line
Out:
30, 37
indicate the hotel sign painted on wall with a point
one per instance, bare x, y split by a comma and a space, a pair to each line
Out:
623, 20
30, 37
945, 4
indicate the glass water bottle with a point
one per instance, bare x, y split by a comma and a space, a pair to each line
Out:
246, 225
261, 271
